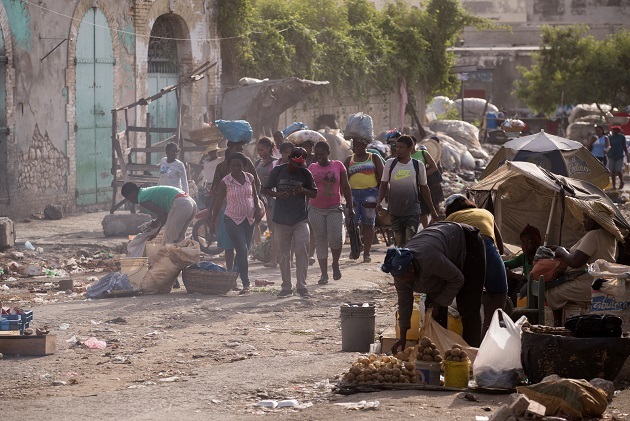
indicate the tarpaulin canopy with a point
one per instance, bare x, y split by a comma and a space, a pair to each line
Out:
521, 193
559, 155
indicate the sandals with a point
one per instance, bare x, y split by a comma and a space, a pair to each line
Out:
367, 258
323, 280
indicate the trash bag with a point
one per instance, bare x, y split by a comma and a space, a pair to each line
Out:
262, 251
111, 282
498, 363
136, 247
461, 131
355, 240
169, 261
359, 126
594, 326
567, 398
238, 131
303, 136
573, 358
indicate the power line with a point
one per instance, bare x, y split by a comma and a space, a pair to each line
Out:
120, 31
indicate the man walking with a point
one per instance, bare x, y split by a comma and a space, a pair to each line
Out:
615, 155
291, 184
405, 179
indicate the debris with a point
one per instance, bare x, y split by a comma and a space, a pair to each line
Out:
1, 356
42, 331
31, 270
28, 246
94, 343
469, 397
605, 385
288, 403
28, 331
4, 288
64, 326
519, 405
117, 320
267, 404
53, 212
58, 383
170, 379
359, 405
72, 340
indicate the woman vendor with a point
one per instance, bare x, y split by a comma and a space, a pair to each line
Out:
530, 241
459, 209
599, 242
444, 261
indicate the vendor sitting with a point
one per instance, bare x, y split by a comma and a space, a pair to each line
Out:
599, 242
445, 260
530, 241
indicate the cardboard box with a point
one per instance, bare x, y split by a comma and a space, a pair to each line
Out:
33, 345
388, 339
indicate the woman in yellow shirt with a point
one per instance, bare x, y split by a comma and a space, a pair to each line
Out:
460, 209
364, 175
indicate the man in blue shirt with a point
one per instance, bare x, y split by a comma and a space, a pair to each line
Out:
615, 155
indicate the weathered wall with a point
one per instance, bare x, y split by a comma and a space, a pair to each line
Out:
41, 90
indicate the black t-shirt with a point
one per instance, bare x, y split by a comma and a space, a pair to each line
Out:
293, 209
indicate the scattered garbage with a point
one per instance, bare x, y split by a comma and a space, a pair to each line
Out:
64, 326
94, 343
288, 403
28, 246
359, 405
268, 403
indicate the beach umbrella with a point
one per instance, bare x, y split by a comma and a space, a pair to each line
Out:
556, 154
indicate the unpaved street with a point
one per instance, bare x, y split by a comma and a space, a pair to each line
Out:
200, 357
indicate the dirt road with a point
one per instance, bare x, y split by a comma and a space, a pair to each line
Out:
201, 357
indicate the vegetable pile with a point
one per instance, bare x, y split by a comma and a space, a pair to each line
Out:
427, 351
380, 369
456, 354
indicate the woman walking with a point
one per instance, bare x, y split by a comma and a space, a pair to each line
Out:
600, 145
242, 211
364, 175
325, 212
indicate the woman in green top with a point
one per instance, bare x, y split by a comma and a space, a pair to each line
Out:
174, 208
530, 241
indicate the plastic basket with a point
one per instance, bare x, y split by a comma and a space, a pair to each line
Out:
208, 282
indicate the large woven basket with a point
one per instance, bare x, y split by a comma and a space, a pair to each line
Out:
208, 282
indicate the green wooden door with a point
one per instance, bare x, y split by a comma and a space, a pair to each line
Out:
4, 187
94, 102
164, 110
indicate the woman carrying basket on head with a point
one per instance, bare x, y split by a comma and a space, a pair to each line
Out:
243, 210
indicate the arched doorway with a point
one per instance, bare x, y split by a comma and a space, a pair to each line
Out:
4, 154
163, 70
94, 102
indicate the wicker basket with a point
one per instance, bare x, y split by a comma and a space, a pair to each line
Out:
208, 282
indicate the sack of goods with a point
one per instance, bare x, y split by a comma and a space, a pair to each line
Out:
238, 131
359, 126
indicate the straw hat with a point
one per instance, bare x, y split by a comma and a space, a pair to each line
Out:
600, 212
213, 147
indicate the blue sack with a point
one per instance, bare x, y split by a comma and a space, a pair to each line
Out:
294, 127
212, 267
237, 131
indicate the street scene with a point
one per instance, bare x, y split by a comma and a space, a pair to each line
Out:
314, 210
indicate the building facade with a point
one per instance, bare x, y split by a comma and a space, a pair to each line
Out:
64, 65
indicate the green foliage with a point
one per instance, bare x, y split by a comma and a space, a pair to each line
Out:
347, 42
575, 68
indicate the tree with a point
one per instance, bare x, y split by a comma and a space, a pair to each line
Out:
350, 43
574, 67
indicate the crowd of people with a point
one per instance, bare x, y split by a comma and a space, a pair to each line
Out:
308, 199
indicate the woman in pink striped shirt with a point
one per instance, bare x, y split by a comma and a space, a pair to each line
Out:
242, 211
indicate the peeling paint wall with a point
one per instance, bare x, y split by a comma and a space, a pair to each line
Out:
40, 42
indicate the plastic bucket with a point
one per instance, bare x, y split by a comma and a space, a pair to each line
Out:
428, 373
456, 374
357, 328
135, 268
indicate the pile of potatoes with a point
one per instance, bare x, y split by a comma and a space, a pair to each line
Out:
456, 353
427, 351
375, 369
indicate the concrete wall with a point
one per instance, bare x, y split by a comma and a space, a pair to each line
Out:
41, 88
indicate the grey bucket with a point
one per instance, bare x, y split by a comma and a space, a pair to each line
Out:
357, 328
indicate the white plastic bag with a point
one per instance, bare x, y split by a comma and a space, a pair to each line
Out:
498, 363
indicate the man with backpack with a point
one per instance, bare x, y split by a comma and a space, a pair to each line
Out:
403, 182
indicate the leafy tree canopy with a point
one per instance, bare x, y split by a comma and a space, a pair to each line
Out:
347, 42
574, 67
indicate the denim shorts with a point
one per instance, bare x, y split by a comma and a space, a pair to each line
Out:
363, 215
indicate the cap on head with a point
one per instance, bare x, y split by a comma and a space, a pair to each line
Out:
397, 261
